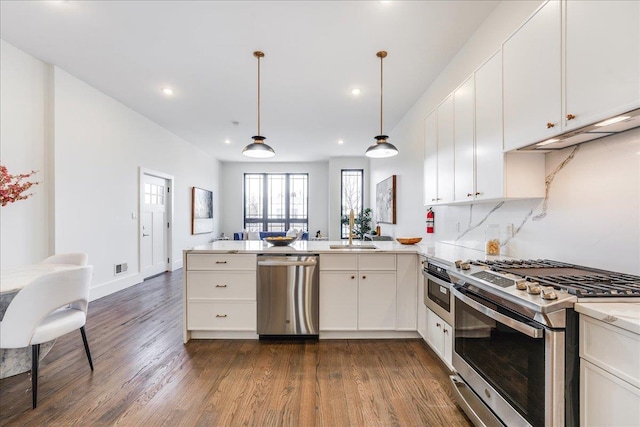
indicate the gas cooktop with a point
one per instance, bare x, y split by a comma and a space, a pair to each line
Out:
583, 282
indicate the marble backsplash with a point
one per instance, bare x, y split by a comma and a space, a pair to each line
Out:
589, 216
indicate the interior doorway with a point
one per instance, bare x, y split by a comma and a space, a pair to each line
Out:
155, 238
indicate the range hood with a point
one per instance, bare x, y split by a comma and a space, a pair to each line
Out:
611, 126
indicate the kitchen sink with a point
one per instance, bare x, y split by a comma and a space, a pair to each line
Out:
352, 246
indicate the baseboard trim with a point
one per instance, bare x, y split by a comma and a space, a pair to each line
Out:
368, 334
109, 288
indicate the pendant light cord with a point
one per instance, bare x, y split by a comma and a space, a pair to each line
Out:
381, 57
258, 56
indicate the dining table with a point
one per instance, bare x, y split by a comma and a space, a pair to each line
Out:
14, 361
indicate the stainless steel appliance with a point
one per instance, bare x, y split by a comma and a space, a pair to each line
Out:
516, 337
437, 290
288, 295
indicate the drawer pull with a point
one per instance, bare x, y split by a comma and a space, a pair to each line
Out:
221, 286
550, 125
438, 325
570, 117
221, 315
353, 277
364, 277
221, 262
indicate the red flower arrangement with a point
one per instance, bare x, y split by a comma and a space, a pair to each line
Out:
12, 187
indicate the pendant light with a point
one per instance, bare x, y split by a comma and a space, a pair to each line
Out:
381, 148
258, 149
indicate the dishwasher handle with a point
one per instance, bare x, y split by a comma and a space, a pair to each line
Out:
286, 263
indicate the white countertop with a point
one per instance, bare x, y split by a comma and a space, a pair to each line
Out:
444, 252
621, 314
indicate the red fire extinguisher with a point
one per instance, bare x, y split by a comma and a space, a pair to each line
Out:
430, 220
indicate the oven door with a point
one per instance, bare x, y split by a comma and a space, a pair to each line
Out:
437, 296
513, 364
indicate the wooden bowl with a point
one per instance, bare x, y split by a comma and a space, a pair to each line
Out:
280, 241
409, 240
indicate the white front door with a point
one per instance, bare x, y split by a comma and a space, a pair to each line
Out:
155, 227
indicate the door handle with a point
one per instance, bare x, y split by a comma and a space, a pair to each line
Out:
145, 235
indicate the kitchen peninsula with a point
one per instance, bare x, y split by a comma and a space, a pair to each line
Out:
364, 293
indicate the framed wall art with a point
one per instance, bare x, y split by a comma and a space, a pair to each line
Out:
386, 200
201, 211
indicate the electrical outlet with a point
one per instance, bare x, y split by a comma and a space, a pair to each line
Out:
120, 268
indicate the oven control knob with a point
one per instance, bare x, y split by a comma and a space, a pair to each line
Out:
465, 266
533, 288
549, 294
521, 285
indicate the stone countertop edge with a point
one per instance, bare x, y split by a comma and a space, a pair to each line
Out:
444, 252
625, 315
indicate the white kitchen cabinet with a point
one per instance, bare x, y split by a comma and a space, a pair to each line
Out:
445, 152
358, 292
431, 159
377, 300
532, 79
422, 308
338, 300
572, 64
440, 337
407, 282
464, 144
609, 374
602, 60
219, 295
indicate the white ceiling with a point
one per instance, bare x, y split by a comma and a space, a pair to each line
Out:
315, 53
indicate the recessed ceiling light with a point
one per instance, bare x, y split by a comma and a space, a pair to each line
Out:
340, 141
612, 121
227, 141
547, 142
167, 91
355, 92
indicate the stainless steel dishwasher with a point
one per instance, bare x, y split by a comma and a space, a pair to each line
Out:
288, 294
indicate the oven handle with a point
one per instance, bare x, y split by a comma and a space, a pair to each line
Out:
505, 320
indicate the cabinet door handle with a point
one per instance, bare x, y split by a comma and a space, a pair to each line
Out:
570, 117
550, 125
469, 194
446, 331
364, 277
478, 193
221, 315
353, 277
221, 262
221, 286
438, 325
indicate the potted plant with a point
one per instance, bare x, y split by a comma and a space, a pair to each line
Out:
362, 223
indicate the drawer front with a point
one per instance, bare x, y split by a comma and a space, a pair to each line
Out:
339, 262
221, 285
613, 349
221, 262
373, 262
221, 316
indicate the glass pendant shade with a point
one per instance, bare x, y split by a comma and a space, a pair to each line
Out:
258, 149
381, 148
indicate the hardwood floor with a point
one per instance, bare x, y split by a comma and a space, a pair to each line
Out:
144, 375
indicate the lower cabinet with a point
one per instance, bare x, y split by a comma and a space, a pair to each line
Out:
440, 336
609, 374
338, 301
377, 300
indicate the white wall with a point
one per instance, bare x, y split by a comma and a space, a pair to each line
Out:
24, 144
98, 146
232, 178
593, 213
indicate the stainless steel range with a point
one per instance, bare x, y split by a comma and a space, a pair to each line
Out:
516, 337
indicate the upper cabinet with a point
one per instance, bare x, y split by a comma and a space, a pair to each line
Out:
445, 151
464, 116
430, 172
532, 75
571, 64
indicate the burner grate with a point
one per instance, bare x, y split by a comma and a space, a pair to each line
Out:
583, 282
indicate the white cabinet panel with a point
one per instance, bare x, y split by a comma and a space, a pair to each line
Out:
606, 400
377, 262
221, 285
407, 278
602, 59
431, 159
377, 300
221, 262
338, 262
532, 79
445, 151
221, 315
338, 301
464, 150
440, 337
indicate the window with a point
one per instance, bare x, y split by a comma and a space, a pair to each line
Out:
351, 196
276, 201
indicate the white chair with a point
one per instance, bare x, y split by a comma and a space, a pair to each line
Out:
47, 308
75, 259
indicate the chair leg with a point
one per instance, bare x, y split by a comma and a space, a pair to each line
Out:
35, 360
86, 346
